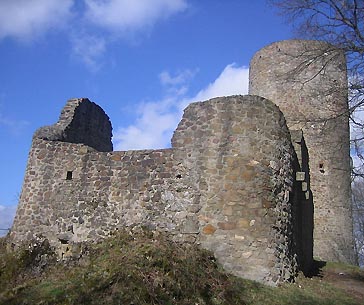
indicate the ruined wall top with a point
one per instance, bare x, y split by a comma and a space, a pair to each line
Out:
81, 121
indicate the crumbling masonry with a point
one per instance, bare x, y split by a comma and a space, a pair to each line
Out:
236, 181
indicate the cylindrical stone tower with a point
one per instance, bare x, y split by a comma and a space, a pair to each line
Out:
308, 81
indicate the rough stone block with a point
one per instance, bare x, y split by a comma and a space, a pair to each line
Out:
209, 229
300, 176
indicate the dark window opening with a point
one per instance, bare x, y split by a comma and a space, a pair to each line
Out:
321, 167
69, 175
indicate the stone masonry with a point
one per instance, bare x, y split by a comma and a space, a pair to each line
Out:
307, 80
236, 181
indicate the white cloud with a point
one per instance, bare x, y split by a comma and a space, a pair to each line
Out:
232, 80
152, 129
24, 19
89, 49
124, 15
167, 79
7, 214
157, 120
15, 126
28, 19
176, 85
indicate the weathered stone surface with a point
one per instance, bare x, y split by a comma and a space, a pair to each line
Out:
309, 86
226, 225
237, 179
81, 121
209, 229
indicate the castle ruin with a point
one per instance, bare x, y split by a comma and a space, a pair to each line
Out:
252, 178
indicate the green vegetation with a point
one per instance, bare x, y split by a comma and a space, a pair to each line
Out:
142, 268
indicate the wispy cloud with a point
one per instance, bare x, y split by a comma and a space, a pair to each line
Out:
114, 20
26, 19
157, 120
177, 84
14, 126
7, 214
89, 49
126, 15
179, 78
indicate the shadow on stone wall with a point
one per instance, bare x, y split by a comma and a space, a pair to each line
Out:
303, 205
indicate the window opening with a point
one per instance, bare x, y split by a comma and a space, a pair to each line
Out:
69, 175
321, 167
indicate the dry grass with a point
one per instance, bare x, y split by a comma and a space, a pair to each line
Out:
142, 268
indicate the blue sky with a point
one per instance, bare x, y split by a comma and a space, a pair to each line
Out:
142, 61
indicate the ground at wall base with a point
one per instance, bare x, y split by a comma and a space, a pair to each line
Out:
171, 274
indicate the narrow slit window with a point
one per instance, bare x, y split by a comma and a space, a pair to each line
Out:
321, 167
69, 175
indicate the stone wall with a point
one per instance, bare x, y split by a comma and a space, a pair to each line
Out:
239, 153
227, 183
307, 80
81, 121
73, 193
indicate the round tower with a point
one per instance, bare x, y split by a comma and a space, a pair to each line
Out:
308, 81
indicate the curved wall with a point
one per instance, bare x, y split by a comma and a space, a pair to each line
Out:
238, 151
308, 81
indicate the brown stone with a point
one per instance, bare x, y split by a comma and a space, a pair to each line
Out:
209, 229
266, 203
42, 154
204, 218
231, 197
187, 141
243, 223
226, 225
247, 175
116, 157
